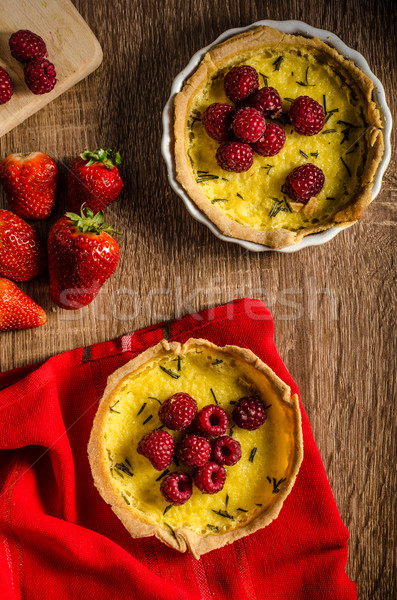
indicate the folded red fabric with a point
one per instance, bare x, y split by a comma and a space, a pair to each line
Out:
60, 540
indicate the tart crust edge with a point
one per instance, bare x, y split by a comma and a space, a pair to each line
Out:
252, 40
182, 539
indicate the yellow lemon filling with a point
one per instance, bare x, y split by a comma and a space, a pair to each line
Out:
255, 198
209, 376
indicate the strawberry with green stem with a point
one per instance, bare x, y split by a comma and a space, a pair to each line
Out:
94, 180
81, 256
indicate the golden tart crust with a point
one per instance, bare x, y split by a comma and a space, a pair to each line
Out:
219, 59
285, 426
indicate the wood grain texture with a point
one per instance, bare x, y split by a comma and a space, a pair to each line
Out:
71, 46
333, 306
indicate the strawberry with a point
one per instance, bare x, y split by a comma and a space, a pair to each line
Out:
94, 179
30, 182
22, 253
81, 256
17, 310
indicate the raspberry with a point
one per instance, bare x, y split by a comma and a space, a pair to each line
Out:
194, 451
241, 82
6, 89
211, 420
226, 451
158, 446
267, 100
178, 411
40, 75
217, 120
210, 478
304, 182
271, 142
306, 115
235, 156
249, 413
249, 125
25, 45
176, 488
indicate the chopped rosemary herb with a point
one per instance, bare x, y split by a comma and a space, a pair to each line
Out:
324, 104
277, 63
231, 431
330, 198
193, 121
172, 531
329, 114
213, 395
169, 372
118, 472
269, 168
240, 196
125, 499
280, 205
141, 409
304, 154
346, 123
259, 504
207, 177
276, 485
161, 427
252, 455
213, 527
306, 82
217, 361
128, 462
233, 402
219, 200
163, 474
346, 167
202, 171
226, 500
223, 513
112, 409
346, 133
289, 99
328, 131
147, 420
242, 510
265, 79
124, 468
153, 398
268, 478
224, 179
268, 406
179, 363
167, 508
315, 154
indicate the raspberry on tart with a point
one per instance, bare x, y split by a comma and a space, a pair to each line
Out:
271, 141
304, 183
177, 488
249, 125
241, 82
187, 496
178, 411
249, 413
217, 120
235, 156
306, 115
268, 101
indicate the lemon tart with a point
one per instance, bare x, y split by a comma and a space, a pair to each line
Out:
254, 488
254, 205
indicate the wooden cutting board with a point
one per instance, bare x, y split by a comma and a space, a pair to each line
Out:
71, 46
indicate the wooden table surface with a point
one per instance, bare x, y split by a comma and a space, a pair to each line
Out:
333, 305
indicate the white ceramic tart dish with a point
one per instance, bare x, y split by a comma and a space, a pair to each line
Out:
255, 487
353, 154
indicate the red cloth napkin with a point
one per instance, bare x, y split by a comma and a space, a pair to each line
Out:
60, 540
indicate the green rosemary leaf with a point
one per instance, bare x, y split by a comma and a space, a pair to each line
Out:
124, 468
163, 474
224, 179
172, 531
259, 505
306, 82
153, 398
217, 361
170, 373
219, 200
289, 99
213, 527
161, 427
277, 63
315, 154
289, 209
304, 154
193, 121
347, 123
330, 198
167, 508
346, 133
268, 478
128, 462
125, 499
231, 431
223, 513
118, 472
276, 485
226, 500
233, 402
328, 131
252, 455
324, 104
269, 168
240, 196
206, 178
179, 363
346, 167
213, 395
112, 409
242, 510
265, 79
147, 420
141, 409
203, 172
